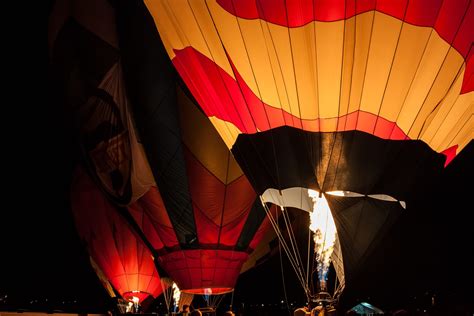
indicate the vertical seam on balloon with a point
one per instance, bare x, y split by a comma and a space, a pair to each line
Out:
391, 66
260, 99
446, 139
374, 16
279, 65
335, 134
436, 107
240, 88
223, 81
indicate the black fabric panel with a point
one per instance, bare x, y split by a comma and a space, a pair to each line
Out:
80, 60
254, 220
361, 225
151, 84
277, 159
352, 160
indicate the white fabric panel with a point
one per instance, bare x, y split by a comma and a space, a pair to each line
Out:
382, 197
296, 197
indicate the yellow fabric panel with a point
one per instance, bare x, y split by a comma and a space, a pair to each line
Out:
413, 40
465, 134
212, 153
206, 24
463, 131
434, 120
283, 67
382, 49
273, 34
306, 69
347, 66
437, 93
429, 120
449, 120
330, 37
230, 34
228, 131
252, 32
361, 50
429, 67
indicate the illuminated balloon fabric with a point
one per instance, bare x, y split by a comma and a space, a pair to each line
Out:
203, 219
226, 220
397, 70
86, 65
331, 95
121, 255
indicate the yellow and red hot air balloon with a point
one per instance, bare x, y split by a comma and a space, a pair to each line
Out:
396, 70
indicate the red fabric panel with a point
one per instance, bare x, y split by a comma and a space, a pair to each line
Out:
206, 82
120, 254
465, 35
383, 128
449, 18
207, 191
197, 270
274, 10
212, 87
394, 8
207, 230
423, 12
240, 197
155, 224
366, 122
230, 233
218, 209
468, 81
146, 226
329, 10
450, 154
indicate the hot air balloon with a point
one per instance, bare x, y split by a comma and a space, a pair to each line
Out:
117, 252
85, 61
345, 106
203, 225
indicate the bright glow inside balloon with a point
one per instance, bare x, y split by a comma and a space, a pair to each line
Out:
324, 234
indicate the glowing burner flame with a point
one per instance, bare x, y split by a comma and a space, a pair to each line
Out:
324, 229
176, 295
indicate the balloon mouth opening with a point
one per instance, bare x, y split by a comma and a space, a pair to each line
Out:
209, 291
141, 295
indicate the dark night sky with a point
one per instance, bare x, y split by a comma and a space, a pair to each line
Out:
431, 248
